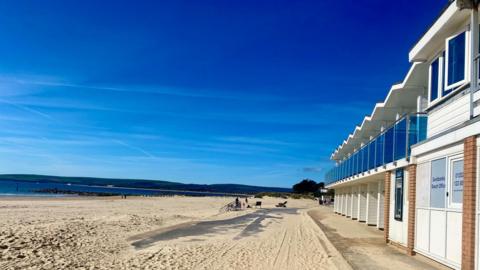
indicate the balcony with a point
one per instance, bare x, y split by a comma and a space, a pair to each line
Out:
393, 144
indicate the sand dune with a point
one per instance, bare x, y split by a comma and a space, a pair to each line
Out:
160, 233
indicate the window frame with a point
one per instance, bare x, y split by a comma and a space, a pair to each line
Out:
395, 205
466, 71
450, 203
445, 188
441, 59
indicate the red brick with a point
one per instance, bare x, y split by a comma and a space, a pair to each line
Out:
386, 206
469, 207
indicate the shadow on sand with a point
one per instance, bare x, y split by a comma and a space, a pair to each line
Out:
250, 224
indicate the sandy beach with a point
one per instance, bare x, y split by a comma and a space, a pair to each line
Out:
160, 233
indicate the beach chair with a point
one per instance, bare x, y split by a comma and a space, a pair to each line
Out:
258, 204
284, 204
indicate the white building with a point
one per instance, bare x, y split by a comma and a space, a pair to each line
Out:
410, 168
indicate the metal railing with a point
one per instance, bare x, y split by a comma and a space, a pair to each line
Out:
393, 144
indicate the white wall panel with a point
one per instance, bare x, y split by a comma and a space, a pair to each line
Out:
354, 203
437, 232
454, 237
372, 203
448, 116
422, 230
362, 203
381, 207
348, 204
423, 185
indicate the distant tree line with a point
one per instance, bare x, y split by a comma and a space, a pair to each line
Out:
307, 186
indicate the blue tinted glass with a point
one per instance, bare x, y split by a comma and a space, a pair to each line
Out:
434, 80
388, 152
365, 159
417, 130
456, 59
379, 151
341, 171
346, 168
371, 155
361, 160
349, 170
400, 139
356, 163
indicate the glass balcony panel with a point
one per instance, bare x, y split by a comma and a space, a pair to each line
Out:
379, 151
400, 140
350, 166
388, 150
350, 170
393, 144
354, 164
417, 130
360, 162
365, 159
371, 155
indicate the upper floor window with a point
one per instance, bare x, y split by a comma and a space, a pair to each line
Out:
455, 61
434, 79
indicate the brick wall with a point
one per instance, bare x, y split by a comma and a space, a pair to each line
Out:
412, 182
469, 195
386, 208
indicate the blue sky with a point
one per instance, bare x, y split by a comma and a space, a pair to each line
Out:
250, 92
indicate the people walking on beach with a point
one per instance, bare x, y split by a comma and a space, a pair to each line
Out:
237, 203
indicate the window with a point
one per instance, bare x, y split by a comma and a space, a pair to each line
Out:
456, 183
455, 61
437, 184
398, 211
434, 78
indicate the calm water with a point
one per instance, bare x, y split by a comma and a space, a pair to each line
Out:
19, 188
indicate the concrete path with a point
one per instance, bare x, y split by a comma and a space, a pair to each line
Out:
364, 246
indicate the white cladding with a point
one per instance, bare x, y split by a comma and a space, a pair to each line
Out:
380, 207
362, 203
348, 204
398, 229
372, 203
355, 202
448, 116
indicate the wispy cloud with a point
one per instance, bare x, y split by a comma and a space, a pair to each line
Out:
27, 109
255, 140
135, 148
150, 89
312, 169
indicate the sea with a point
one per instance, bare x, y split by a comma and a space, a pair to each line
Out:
24, 188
